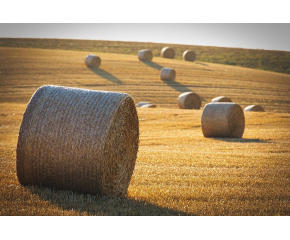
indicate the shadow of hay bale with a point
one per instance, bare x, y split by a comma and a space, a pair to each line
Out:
106, 75
177, 86
203, 64
87, 204
153, 65
242, 140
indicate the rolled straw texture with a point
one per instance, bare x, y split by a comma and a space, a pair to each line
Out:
223, 120
167, 52
167, 74
145, 55
92, 60
254, 108
80, 140
189, 55
189, 100
221, 99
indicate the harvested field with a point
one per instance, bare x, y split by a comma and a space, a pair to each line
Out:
178, 171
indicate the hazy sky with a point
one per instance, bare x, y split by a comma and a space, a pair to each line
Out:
270, 36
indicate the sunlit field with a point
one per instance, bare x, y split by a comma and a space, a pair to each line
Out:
178, 171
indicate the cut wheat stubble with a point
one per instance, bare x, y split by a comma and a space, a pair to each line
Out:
80, 140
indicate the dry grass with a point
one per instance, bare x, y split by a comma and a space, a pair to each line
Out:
178, 171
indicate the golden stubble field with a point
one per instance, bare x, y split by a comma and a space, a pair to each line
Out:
178, 171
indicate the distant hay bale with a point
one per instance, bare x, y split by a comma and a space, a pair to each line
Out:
80, 140
168, 52
254, 108
221, 99
92, 61
167, 74
140, 104
189, 55
223, 120
148, 106
189, 100
145, 55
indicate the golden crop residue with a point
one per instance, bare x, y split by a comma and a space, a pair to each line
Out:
178, 171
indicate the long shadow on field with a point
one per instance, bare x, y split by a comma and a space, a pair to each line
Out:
175, 85
180, 87
242, 140
203, 64
104, 74
86, 204
153, 65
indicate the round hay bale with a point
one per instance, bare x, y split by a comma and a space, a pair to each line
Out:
223, 120
80, 140
168, 52
189, 55
92, 61
148, 106
145, 55
167, 74
221, 99
189, 100
140, 104
254, 108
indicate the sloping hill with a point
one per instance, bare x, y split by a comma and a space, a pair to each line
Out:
24, 70
277, 61
178, 171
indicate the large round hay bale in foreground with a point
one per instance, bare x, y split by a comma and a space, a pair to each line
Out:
145, 55
223, 120
167, 52
189, 55
167, 74
189, 100
92, 60
254, 108
221, 99
80, 140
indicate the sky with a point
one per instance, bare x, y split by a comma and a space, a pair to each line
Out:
268, 36
224, 23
